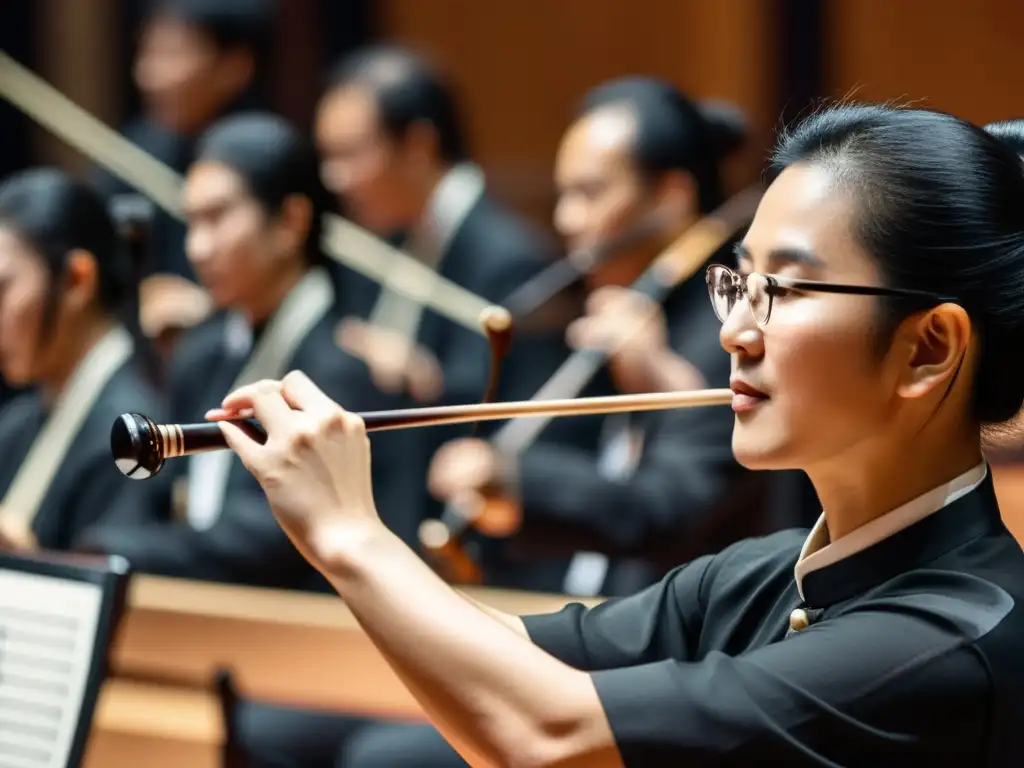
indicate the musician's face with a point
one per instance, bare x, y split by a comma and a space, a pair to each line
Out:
599, 191
28, 357
363, 167
231, 242
24, 285
183, 78
829, 397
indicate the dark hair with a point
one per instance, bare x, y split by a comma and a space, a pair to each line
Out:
1010, 132
55, 214
940, 207
407, 91
275, 161
674, 133
230, 24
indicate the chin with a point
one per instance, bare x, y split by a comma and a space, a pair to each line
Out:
16, 376
760, 451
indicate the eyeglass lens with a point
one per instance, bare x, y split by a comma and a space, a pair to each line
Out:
726, 288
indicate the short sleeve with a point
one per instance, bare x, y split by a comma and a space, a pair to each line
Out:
876, 687
662, 621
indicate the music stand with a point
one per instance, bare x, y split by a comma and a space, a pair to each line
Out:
58, 617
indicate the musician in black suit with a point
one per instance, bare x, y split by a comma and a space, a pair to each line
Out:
196, 62
254, 203
70, 340
395, 154
610, 504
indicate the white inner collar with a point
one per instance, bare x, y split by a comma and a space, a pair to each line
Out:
819, 551
449, 204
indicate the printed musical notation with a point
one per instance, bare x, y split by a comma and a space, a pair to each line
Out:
48, 632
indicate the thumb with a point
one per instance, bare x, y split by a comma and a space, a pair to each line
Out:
247, 449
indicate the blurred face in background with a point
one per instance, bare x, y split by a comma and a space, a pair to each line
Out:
31, 353
238, 251
602, 194
373, 175
185, 80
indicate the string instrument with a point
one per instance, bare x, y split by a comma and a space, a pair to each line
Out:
140, 447
443, 538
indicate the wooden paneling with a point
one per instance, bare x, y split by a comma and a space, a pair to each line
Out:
77, 52
962, 56
522, 67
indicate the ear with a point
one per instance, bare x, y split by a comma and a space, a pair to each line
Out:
81, 279
295, 220
936, 343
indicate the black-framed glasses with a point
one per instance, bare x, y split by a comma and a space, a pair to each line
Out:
726, 288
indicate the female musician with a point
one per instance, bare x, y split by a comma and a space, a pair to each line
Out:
254, 203
874, 297
69, 337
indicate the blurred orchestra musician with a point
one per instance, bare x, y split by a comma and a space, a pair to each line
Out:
642, 491
196, 62
69, 335
394, 153
637, 147
254, 202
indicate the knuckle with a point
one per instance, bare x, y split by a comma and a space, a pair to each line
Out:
334, 422
353, 422
301, 440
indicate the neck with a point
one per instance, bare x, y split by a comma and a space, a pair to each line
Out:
259, 309
73, 350
855, 492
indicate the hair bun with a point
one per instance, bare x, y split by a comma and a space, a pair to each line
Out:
728, 126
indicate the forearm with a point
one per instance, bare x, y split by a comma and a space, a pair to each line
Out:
512, 622
488, 688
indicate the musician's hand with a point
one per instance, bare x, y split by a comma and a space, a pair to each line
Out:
471, 475
314, 467
396, 364
16, 538
631, 328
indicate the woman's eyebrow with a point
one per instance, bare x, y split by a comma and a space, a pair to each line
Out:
780, 257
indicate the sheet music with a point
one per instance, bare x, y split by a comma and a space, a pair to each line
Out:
47, 634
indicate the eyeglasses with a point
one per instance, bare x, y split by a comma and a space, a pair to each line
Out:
727, 287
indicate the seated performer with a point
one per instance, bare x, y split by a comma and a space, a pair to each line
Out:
637, 150
389, 129
254, 203
69, 335
867, 318
196, 63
